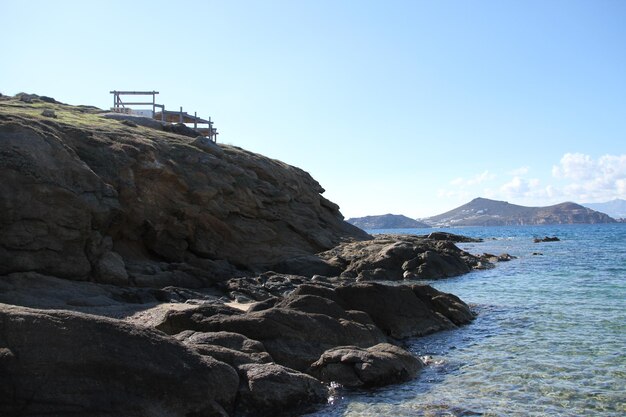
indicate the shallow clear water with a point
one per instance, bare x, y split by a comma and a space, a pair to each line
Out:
549, 339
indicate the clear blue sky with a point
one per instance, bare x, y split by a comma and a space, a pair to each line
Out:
406, 107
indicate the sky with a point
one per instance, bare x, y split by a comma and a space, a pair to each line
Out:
404, 107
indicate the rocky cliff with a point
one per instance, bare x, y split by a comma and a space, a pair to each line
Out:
86, 197
485, 212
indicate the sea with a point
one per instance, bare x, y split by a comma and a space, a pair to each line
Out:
549, 338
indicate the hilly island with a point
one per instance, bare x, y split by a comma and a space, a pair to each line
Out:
485, 212
146, 270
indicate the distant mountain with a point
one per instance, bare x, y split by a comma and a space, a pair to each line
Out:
484, 212
386, 221
614, 208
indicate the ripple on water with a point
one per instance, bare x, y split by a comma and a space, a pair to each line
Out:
549, 339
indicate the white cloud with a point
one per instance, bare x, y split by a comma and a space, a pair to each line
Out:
592, 180
577, 177
574, 166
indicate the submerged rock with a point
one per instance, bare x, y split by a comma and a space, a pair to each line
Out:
546, 239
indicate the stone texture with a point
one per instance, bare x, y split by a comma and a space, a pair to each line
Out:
399, 311
160, 197
271, 389
381, 364
62, 363
397, 257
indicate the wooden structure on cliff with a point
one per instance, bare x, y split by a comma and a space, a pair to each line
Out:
165, 116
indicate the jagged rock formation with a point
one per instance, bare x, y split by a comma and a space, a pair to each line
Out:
386, 221
84, 197
485, 212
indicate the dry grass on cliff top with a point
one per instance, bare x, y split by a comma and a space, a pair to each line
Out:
81, 117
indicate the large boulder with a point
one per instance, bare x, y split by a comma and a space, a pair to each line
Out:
398, 257
292, 337
62, 363
399, 311
351, 366
265, 388
271, 389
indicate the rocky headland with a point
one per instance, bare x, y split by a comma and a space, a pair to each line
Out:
147, 271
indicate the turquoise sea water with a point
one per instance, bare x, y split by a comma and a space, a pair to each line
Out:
549, 339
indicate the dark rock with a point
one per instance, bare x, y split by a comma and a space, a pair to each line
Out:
293, 338
231, 348
378, 365
62, 363
267, 285
448, 305
452, 237
274, 390
181, 129
263, 305
207, 145
397, 257
265, 387
157, 197
489, 258
134, 120
49, 113
546, 239
47, 99
111, 269
396, 310
198, 319
307, 266
129, 123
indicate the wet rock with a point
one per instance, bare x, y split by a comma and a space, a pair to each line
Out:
448, 305
382, 364
546, 239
